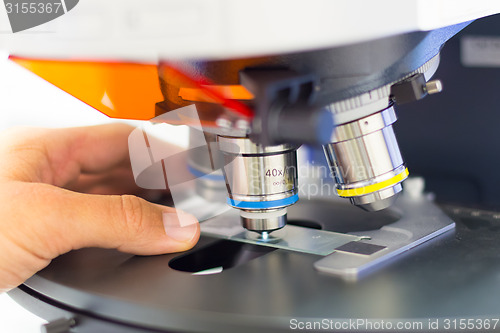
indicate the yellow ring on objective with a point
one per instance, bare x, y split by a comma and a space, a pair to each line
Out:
374, 187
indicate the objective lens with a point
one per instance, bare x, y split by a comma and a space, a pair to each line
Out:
261, 181
204, 162
365, 159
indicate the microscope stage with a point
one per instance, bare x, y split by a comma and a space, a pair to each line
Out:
262, 288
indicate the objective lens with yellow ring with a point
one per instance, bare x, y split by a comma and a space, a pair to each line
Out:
365, 159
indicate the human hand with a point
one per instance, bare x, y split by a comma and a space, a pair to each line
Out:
43, 213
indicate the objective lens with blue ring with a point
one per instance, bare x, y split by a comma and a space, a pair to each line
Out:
261, 181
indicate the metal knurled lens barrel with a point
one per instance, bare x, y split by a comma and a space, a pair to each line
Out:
261, 181
365, 159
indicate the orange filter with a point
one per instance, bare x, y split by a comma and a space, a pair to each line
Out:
119, 90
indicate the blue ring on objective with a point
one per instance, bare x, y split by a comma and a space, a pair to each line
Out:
200, 174
263, 204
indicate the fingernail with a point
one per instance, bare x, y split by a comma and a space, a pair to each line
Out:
180, 226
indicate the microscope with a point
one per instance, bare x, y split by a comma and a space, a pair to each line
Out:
256, 112
261, 108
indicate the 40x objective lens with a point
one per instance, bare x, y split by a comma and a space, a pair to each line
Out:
261, 181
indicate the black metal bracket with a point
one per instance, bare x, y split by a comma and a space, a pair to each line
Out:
409, 90
284, 107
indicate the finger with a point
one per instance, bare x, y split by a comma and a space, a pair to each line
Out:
126, 223
115, 184
102, 148
97, 148
118, 181
58, 156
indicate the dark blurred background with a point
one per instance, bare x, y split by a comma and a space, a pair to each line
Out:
452, 139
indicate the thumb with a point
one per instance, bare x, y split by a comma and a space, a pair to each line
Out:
134, 225
69, 220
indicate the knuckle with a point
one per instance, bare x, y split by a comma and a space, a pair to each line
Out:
132, 214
